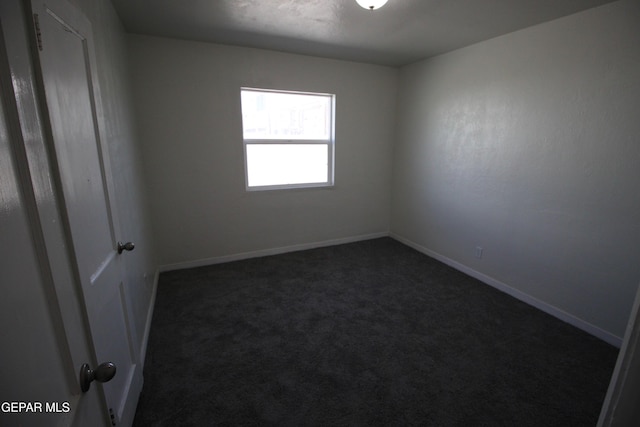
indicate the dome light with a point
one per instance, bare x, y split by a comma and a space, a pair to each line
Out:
372, 4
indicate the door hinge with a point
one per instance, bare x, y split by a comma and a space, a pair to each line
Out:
36, 23
112, 416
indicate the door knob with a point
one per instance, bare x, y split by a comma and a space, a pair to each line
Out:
125, 246
102, 374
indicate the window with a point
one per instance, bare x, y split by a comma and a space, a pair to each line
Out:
288, 139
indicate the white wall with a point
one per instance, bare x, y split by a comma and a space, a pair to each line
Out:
187, 98
529, 146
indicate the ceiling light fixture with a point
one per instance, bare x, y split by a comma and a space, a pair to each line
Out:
372, 4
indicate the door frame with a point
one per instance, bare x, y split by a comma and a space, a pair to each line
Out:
620, 407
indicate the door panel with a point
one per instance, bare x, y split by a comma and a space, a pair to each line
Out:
76, 144
73, 110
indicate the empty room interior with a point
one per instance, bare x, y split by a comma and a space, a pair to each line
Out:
311, 213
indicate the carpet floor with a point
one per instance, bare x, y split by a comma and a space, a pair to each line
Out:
371, 333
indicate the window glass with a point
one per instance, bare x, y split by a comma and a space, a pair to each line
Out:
277, 115
288, 139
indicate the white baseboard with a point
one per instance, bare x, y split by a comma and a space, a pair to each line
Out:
526, 298
267, 252
147, 326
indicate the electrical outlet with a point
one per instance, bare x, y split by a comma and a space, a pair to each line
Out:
478, 252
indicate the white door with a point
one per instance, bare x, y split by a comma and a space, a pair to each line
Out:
32, 322
74, 117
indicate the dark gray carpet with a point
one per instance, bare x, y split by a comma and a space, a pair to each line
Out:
364, 334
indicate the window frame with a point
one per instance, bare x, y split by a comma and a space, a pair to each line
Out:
330, 143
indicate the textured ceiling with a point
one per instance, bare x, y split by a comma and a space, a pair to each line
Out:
399, 33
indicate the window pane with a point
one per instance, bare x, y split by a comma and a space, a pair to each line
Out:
283, 115
282, 164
